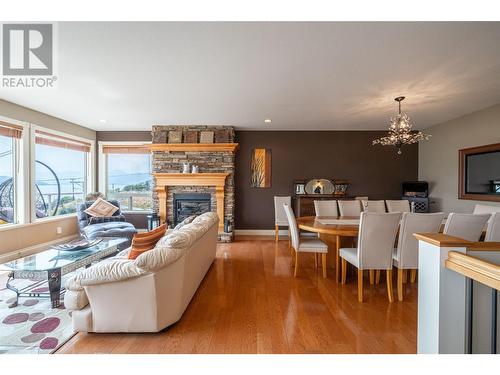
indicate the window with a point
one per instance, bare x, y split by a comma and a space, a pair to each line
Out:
127, 176
61, 174
9, 143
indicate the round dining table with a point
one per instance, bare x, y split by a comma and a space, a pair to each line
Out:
335, 231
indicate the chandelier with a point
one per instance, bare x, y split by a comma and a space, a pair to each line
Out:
400, 132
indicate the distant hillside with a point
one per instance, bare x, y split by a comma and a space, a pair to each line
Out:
128, 179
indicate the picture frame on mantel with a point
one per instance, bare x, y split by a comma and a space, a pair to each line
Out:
260, 168
207, 137
191, 136
175, 136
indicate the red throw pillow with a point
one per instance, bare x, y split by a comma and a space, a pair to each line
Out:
143, 242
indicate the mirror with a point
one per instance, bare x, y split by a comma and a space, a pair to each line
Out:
319, 186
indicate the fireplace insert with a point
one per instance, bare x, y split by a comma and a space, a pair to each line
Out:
186, 205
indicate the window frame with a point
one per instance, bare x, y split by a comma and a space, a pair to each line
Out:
89, 170
103, 168
20, 174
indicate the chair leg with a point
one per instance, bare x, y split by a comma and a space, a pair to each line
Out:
405, 276
389, 285
315, 260
360, 285
323, 263
400, 284
413, 276
372, 277
276, 229
296, 264
377, 277
344, 271
292, 256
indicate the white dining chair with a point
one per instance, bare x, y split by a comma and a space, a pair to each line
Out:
364, 198
466, 226
349, 208
405, 256
280, 219
401, 205
326, 208
373, 206
302, 244
493, 228
377, 233
485, 209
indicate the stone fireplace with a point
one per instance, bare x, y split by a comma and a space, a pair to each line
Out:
214, 180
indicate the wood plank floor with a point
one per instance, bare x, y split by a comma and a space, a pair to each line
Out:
249, 302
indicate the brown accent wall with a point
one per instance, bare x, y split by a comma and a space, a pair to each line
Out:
375, 171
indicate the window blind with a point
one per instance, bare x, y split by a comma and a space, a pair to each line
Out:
125, 149
48, 139
10, 130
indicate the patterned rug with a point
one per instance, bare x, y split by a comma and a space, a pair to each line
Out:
33, 326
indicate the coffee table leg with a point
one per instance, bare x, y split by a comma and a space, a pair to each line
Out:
55, 287
12, 288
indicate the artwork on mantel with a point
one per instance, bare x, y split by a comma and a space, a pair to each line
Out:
191, 136
261, 168
207, 137
175, 136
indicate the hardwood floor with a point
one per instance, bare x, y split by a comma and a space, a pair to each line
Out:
249, 302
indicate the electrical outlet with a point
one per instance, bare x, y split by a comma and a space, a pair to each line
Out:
59, 230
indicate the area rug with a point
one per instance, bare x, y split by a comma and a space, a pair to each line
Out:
33, 326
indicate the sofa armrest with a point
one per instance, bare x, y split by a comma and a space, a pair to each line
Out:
108, 271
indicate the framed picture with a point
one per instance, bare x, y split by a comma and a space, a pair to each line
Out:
261, 168
190, 136
175, 136
207, 137
221, 136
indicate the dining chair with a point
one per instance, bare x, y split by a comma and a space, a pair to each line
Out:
326, 208
405, 256
401, 205
280, 219
485, 209
466, 226
377, 233
304, 244
361, 198
373, 206
349, 208
493, 229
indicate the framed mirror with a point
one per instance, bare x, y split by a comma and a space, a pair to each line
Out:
319, 186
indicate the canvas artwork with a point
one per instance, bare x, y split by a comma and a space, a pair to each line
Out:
175, 136
190, 136
261, 168
207, 137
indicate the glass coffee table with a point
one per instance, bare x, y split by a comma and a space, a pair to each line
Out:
51, 265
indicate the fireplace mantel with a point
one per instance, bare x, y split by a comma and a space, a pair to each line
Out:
164, 180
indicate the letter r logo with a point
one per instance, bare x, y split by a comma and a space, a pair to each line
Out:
27, 49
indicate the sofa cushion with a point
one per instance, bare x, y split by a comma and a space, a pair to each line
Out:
186, 221
146, 241
105, 219
101, 208
113, 229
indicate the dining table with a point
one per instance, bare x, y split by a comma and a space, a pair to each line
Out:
335, 231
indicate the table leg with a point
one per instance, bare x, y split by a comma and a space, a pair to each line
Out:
337, 259
54, 279
14, 289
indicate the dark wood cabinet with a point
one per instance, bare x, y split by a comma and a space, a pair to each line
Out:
303, 204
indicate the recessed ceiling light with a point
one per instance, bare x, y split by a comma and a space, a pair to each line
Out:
268, 120
102, 121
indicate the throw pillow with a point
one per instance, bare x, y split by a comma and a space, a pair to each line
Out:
101, 208
143, 242
187, 220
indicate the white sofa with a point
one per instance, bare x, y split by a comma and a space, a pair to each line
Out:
149, 293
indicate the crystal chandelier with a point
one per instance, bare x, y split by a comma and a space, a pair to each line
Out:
400, 132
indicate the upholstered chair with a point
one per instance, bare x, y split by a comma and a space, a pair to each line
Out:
349, 208
405, 256
373, 206
280, 219
377, 233
304, 244
466, 226
493, 229
326, 208
398, 205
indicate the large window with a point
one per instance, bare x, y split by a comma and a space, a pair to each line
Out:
127, 176
61, 174
9, 143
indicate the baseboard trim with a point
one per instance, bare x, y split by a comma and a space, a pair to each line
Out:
16, 254
260, 232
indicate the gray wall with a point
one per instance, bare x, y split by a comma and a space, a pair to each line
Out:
438, 157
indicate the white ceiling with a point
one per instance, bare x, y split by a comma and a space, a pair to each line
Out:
304, 76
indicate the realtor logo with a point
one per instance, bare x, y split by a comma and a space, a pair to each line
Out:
28, 55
